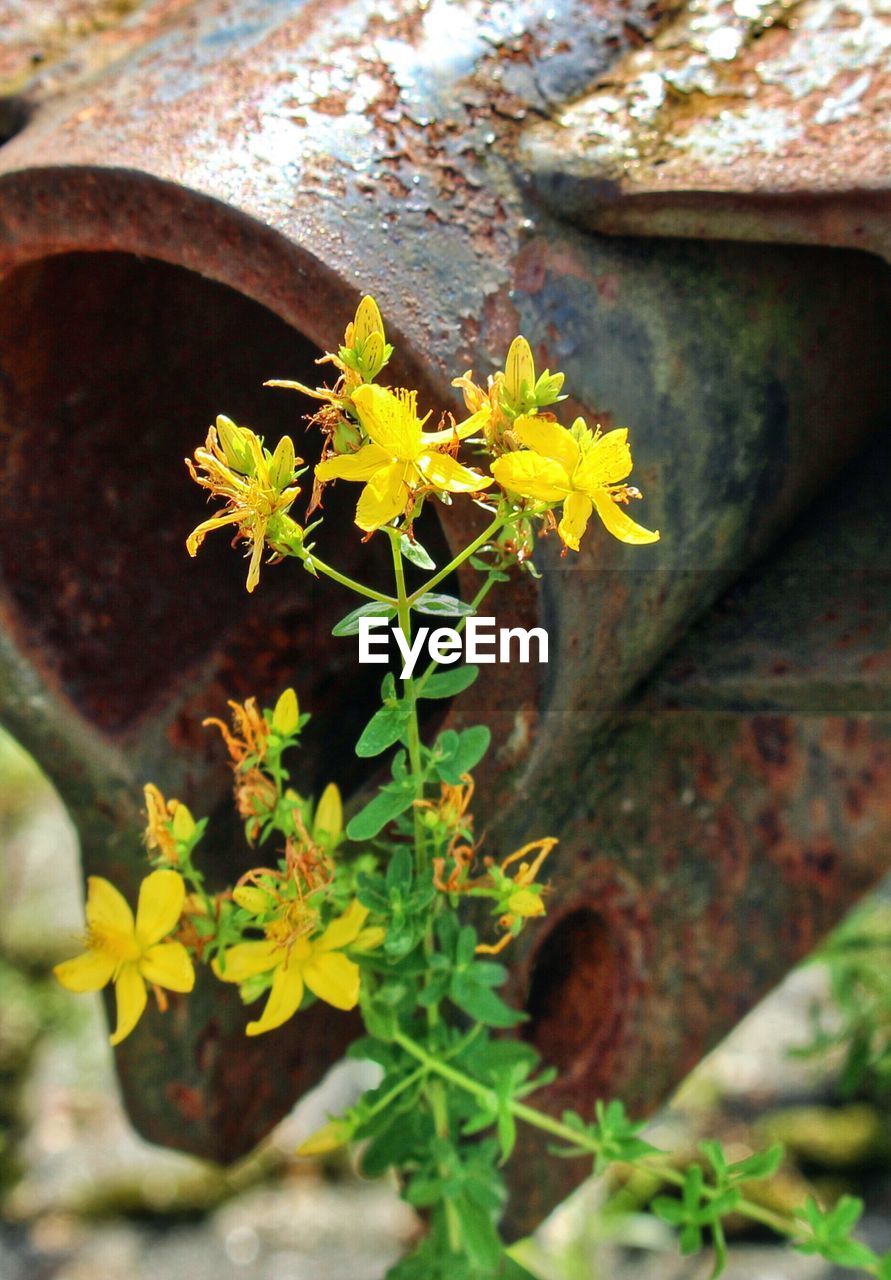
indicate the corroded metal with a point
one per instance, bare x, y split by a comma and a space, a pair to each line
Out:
740, 800
753, 120
201, 215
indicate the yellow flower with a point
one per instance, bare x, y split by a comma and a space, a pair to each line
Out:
400, 458
518, 895
580, 468
299, 961
258, 487
131, 953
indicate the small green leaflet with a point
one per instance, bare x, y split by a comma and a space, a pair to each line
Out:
461, 752
415, 553
442, 606
383, 730
446, 684
349, 626
389, 802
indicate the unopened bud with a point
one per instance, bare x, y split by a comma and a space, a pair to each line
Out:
234, 445
329, 813
286, 715
281, 468
334, 1134
368, 321
519, 370
252, 899
183, 823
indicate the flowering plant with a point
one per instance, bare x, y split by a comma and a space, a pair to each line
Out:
383, 912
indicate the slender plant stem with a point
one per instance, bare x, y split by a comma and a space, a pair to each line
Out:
312, 562
459, 559
403, 609
548, 1124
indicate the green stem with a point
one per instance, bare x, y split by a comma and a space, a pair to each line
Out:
403, 610
548, 1124
439, 1106
474, 604
459, 559
312, 562
388, 1098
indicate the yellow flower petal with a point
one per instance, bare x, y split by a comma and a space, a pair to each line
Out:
370, 939
608, 461
469, 427
344, 930
334, 979
384, 497
161, 898
257, 547
549, 439
284, 1000
197, 536
444, 473
619, 524
87, 972
576, 513
360, 465
168, 964
389, 420
531, 476
130, 996
329, 813
247, 960
107, 909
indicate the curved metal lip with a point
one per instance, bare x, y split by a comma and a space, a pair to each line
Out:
94, 209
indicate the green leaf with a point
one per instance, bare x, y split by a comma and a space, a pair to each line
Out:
414, 552
469, 748
399, 871
442, 606
763, 1164
482, 1003
392, 1147
349, 626
389, 802
507, 1132
478, 1233
446, 684
383, 730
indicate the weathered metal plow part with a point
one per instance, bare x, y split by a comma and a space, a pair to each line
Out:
203, 215
739, 803
751, 120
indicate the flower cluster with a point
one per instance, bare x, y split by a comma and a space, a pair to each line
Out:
375, 436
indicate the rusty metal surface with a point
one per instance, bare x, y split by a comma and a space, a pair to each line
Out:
285, 156
750, 119
739, 802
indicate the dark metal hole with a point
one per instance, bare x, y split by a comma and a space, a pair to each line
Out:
15, 113
574, 1000
111, 369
